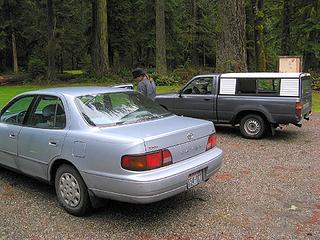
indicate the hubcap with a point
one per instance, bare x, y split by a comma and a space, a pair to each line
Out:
252, 126
69, 189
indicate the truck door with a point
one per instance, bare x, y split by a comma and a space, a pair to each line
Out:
198, 99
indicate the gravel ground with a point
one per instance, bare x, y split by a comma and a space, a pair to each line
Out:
267, 189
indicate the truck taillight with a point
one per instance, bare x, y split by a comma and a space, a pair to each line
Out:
298, 109
212, 141
147, 161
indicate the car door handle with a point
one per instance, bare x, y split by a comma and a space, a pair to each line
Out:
12, 135
53, 144
207, 99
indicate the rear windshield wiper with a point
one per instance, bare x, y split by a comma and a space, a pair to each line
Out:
88, 119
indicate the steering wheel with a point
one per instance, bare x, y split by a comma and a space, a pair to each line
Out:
20, 116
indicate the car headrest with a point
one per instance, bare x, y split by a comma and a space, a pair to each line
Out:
50, 110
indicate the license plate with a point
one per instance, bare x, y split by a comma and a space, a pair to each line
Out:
194, 179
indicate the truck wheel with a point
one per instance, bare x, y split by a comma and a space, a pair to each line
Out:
252, 126
71, 191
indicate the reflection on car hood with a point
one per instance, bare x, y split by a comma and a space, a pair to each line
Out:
167, 95
165, 132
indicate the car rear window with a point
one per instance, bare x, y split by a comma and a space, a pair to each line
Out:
109, 109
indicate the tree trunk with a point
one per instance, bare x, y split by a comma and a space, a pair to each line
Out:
231, 44
51, 71
61, 62
14, 53
161, 62
259, 38
14, 44
116, 60
204, 56
285, 39
100, 55
72, 61
194, 34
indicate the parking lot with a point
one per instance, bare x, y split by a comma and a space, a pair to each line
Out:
267, 189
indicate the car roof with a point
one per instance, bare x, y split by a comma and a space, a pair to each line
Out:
77, 91
263, 75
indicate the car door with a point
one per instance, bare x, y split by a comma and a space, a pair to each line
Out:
11, 121
42, 138
197, 99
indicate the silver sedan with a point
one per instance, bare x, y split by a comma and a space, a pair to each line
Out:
105, 142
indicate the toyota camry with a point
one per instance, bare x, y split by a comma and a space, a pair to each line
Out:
105, 142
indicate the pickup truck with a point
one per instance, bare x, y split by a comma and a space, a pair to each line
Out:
257, 102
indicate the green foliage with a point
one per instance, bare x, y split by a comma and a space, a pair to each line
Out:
36, 67
164, 80
191, 35
179, 76
315, 81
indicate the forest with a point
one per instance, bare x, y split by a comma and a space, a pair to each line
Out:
44, 40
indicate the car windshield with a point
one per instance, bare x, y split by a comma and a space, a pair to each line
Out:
109, 109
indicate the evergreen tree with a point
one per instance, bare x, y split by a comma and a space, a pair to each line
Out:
161, 56
231, 49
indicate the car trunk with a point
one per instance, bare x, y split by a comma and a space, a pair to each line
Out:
306, 95
183, 137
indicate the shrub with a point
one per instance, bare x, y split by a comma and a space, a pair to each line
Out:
315, 81
164, 80
178, 76
36, 67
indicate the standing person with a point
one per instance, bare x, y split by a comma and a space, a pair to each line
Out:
146, 85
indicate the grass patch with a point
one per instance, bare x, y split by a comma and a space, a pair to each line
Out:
316, 102
168, 89
74, 72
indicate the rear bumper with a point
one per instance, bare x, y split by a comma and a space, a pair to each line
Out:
155, 185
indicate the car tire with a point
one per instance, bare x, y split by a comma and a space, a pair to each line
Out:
71, 191
252, 126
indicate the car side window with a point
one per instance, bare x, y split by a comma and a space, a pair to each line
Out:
16, 111
199, 86
48, 114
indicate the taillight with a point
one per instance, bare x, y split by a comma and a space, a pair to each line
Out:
298, 109
212, 141
147, 161
166, 158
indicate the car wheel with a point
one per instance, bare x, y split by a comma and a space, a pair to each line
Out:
252, 126
71, 191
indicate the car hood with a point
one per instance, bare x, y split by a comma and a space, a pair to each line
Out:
165, 132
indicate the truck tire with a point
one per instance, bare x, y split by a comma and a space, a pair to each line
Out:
71, 191
252, 126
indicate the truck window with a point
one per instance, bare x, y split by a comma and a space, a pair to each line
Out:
258, 86
200, 86
306, 86
246, 86
268, 86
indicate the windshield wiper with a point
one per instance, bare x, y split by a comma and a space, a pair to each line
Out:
88, 119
